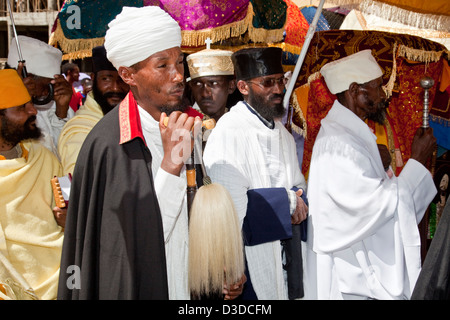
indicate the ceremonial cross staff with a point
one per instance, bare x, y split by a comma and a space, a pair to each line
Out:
426, 83
197, 155
197, 158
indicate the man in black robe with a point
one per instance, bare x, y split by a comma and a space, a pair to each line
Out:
114, 246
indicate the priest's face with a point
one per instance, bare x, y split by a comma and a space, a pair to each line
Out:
265, 95
19, 123
373, 100
109, 89
158, 82
211, 93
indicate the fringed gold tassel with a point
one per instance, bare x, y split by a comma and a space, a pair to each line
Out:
264, 35
314, 77
298, 111
291, 48
419, 54
390, 84
196, 38
411, 18
412, 54
73, 48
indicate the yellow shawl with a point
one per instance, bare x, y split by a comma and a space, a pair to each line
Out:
75, 131
30, 239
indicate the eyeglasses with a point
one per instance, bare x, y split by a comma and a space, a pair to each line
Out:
270, 82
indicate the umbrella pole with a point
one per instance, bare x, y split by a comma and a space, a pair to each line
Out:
301, 58
19, 51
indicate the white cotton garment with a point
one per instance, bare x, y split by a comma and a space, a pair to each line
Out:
363, 239
137, 33
172, 199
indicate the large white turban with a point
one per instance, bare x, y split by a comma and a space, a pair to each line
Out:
40, 58
137, 33
360, 67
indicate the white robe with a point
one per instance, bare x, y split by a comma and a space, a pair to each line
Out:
243, 154
171, 194
51, 125
362, 225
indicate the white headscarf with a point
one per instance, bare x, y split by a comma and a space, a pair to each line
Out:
137, 33
360, 67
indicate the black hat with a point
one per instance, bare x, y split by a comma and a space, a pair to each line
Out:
100, 61
257, 62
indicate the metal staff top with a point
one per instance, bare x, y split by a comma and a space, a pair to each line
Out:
426, 83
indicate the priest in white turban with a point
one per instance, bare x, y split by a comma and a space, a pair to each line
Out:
127, 228
362, 233
43, 64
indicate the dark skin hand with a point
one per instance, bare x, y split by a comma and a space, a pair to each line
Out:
385, 156
174, 157
62, 93
60, 216
423, 145
301, 211
62, 90
235, 289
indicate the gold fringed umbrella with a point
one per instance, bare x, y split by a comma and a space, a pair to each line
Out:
82, 24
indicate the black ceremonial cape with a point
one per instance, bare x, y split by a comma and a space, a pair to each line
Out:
114, 242
434, 278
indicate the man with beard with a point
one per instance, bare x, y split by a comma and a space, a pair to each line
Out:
127, 229
363, 239
107, 92
30, 239
254, 157
43, 64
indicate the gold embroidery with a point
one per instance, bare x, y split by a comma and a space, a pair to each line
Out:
124, 120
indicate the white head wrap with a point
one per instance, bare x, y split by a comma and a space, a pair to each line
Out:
137, 33
40, 58
360, 67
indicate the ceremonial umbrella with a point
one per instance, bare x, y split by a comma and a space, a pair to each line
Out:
82, 24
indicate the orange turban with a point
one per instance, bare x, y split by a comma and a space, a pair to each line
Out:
13, 92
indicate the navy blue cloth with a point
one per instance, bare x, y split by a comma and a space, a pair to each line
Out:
268, 219
268, 216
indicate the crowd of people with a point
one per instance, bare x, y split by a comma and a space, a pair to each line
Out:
348, 232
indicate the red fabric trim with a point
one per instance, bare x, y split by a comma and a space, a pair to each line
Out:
129, 120
193, 113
